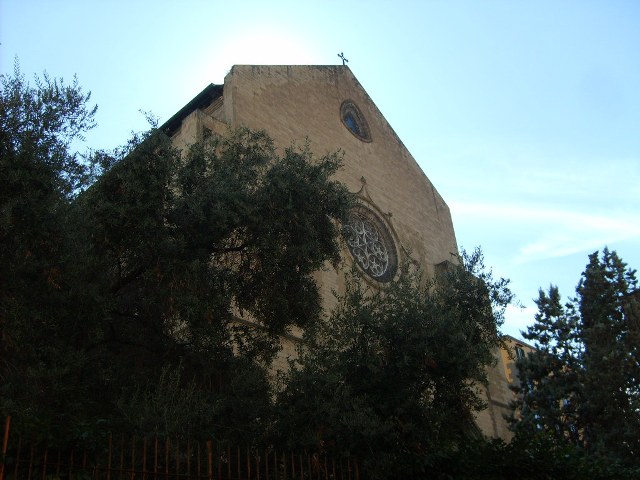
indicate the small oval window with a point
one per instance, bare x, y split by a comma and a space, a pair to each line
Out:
355, 122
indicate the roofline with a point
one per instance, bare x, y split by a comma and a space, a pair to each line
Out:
210, 93
517, 340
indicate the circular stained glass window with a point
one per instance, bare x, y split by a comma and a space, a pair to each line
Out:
371, 244
355, 122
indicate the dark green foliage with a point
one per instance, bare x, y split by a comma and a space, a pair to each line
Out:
537, 457
550, 377
388, 377
611, 411
119, 305
118, 302
40, 175
582, 385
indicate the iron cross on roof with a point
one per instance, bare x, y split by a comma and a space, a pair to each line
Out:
344, 60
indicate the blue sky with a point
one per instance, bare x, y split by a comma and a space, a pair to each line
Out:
524, 114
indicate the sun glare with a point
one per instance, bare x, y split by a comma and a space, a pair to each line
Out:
263, 46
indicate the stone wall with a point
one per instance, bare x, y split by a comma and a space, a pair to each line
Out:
499, 394
300, 104
296, 103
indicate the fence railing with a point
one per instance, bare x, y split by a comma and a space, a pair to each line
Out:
120, 458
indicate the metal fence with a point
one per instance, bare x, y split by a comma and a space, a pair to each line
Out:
120, 458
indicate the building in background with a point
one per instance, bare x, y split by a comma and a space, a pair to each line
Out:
502, 377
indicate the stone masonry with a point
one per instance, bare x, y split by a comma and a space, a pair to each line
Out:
296, 104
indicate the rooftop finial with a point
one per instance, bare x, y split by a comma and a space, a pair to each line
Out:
344, 60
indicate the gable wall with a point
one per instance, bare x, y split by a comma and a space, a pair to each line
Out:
293, 103
300, 102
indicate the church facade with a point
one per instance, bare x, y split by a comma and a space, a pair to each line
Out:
400, 212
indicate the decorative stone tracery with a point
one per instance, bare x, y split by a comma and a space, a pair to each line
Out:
371, 244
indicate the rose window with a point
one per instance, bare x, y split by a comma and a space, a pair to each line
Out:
371, 244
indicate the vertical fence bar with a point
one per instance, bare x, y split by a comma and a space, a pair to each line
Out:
71, 464
133, 457
238, 460
188, 458
95, 466
228, 462
155, 460
284, 466
315, 461
199, 463
301, 465
30, 462
58, 463
166, 458
15, 470
177, 456
219, 460
210, 459
44, 463
293, 467
144, 458
275, 464
121, 455
326, 468
109, 454
5, 443
248, 464
266, 465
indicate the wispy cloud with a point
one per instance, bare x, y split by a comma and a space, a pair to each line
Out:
556, 232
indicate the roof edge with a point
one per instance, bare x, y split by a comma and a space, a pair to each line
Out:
210, 93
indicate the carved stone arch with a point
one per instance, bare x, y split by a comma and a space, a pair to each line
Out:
372, 240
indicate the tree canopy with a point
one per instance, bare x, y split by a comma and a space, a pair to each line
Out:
392, 375
145, 291
40, 175
117, 291
582, 385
